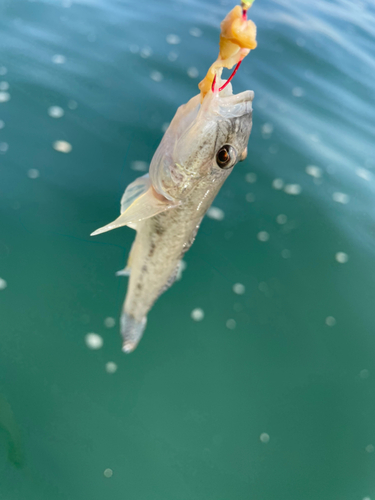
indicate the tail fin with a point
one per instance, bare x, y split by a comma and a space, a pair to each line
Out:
131, 331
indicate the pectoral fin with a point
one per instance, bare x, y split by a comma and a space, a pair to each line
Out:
140, 201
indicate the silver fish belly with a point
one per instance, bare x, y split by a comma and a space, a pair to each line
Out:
197, 153
159, 246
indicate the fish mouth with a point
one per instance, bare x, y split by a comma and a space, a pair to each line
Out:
234, 105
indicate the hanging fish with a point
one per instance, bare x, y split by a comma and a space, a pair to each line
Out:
204, 141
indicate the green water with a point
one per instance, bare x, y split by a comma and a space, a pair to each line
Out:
276, 404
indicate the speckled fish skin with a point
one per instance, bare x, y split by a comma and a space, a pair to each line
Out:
183, 181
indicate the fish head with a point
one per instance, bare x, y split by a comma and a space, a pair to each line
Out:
204, 141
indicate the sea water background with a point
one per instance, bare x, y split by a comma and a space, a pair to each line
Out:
271, 395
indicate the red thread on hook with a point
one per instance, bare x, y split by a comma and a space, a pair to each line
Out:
231, 76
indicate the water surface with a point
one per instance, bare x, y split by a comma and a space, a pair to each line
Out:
270, 396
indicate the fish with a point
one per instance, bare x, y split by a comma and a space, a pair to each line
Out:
207, 137
198, 151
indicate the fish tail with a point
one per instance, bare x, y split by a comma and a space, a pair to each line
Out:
131, 331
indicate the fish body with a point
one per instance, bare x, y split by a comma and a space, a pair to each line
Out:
197, 153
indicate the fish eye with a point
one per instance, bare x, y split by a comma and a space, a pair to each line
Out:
226, 157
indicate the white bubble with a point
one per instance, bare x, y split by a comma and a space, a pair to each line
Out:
366, 498
193, 72
4, 85
172, 56
62, 146
146, 52
267, 129
250, 197
263, 236
93, 341
251, 177
181, 268
4, 96
134, 48
298, 92
364, 374
3, 70
293, 189
58, 59
342, 257
370, 448
2, 124
239, 288
108, 473
195, 32
363, 174
72, 104
55, 112
111, 367
314, 171
4, 146
277, 184
341, 198
197, 314
33, 173
139, 166
330, 321
109, 322
173, 39
3, 284
215, 213
156, 76
264, 437
285, 254
165, 126
281, 219
231, 324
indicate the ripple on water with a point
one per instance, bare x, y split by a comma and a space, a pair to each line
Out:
58, 59
156, 76
55, 112
62, 146
263, 236
111, 367
195, 32
4, 96
239, 288
173, 39
342, 257
109, 322
330, 321
264, 438
33, 173
197, 314
341, 197
193, 72
314, 171
293, 189
251, 177
215, 213
94, 341
231, 324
